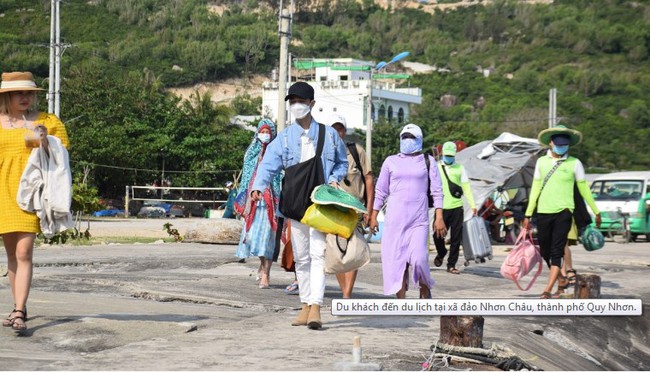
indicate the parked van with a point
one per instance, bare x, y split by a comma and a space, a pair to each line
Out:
624, 193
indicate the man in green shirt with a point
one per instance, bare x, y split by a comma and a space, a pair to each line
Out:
454, 178
552, 195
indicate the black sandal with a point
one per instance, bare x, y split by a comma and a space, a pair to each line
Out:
571, 278
9, 321
437, 261
19, 326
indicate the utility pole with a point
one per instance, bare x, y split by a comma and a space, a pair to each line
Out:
50, 92
552, 107
56, 51
162, 177
380, 66
369, 117
285, 35
57, 67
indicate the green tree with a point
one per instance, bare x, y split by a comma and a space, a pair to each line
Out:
246, 105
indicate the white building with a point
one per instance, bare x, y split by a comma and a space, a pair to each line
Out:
341, 86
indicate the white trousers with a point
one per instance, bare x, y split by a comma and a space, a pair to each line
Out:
309, 254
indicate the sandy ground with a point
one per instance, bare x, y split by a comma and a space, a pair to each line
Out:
224, 92
186, 306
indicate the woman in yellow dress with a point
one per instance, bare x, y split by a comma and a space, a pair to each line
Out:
23, 128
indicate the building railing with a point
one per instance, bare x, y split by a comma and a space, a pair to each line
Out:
154, 195
356, 84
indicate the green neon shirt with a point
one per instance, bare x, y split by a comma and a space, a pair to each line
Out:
557, 195
457, 175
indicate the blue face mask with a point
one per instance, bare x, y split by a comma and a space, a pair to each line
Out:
410, 145
561, 150
449, 160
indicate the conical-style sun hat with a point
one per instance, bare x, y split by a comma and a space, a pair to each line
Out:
545, 136
326, 194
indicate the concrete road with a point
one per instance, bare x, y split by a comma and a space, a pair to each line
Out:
186, 306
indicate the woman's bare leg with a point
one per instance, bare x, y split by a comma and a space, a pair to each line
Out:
20, 248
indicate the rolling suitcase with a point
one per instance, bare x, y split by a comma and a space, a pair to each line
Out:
476, 241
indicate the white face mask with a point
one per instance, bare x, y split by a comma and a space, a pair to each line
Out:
264, 137
299, 110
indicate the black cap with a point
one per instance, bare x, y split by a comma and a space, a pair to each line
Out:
302, 90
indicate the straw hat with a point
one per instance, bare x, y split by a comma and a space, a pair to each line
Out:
545, 136
17, 81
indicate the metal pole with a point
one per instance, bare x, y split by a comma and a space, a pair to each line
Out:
552, 107
57, 67
126, 203
162, 178
50, 92
285, 34
369, 119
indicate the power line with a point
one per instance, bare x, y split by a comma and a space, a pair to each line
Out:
152, 170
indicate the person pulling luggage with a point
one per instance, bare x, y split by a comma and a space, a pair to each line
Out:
455, 184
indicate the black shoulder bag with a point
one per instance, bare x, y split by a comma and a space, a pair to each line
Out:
581, 216
300, 180
429, 196
455, 190
357, 160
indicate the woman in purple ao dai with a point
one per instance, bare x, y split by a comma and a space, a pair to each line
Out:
402, 184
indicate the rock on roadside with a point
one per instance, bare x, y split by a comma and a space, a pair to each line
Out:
216, 231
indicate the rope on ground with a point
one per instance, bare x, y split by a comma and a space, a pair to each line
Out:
497, 355
496, 351
437, 361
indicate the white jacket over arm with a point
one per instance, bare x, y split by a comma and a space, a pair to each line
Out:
46, 188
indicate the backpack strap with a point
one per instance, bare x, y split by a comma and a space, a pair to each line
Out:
548, 176
550, 173
355, 155
352, 147
321, 141
449, 182
426, 161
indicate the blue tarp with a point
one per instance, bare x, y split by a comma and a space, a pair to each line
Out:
108, 213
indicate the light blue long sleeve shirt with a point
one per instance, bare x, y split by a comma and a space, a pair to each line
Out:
285, 151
